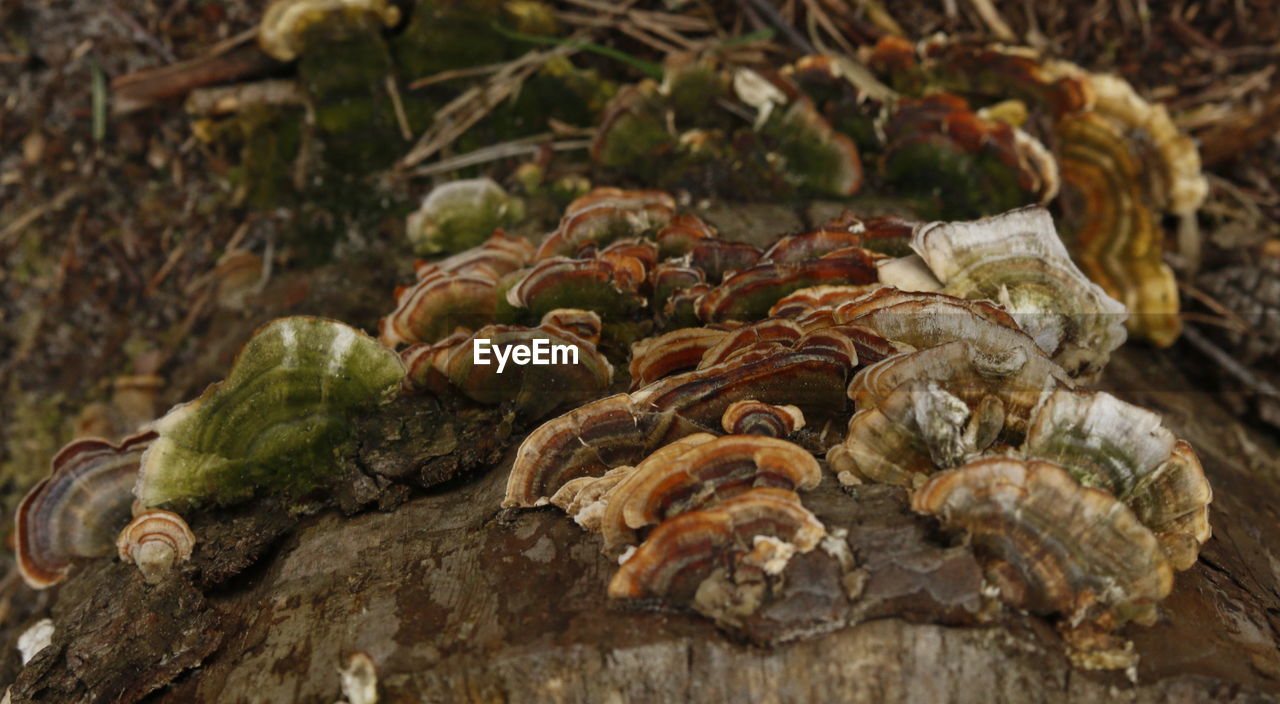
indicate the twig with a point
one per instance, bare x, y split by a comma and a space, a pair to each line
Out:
994, 21
789, 32
467, 109
52, 206
506, 150
401, 119
468, 72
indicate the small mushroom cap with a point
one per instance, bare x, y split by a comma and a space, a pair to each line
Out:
460, 214
680, 552
494, 258
606, 214
677, 351
155, 541
438, 304
562, 367
76, 511
751, 417
1067, 548
608, 285
587, 441
922, 319
749, 294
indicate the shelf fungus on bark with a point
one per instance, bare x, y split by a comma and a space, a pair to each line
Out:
1122, 160
921, 319
275, 421
156, 541
1016, 259
625, 428
436, 305
751, 417
535, 369
607, 214
1114, 234
1126, 451
680, 350
682, 552
76, 511
937, 408
458, 215
287, 25
608, 283
750, 293
700, 475
1052, 545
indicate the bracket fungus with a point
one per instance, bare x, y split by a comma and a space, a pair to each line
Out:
698, 475
751, 417
607, 214
680, 553
76, 511
1054, 546
458, 215
1017, 260
936, 408
550, 365
155, 541
274, 421
1126, 451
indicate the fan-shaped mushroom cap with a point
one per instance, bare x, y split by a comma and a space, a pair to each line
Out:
1062, 548
749, 294
1108, 444
606, 214
803, 376
587, 442
1114, 233
681, 552
702, 475
922, 319
155, 541
272, 423
494, 258
679, 350
739, 339
751, 417
436, 305
936, 408
460, 214
681, 233
560, 367
607, 286
985, 165
722, 258
806, 300
77, 510
1017, 260
283, 30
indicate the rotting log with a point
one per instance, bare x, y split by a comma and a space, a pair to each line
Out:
456, 600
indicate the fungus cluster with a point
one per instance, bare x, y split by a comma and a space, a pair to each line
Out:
1121, 159
966, 393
